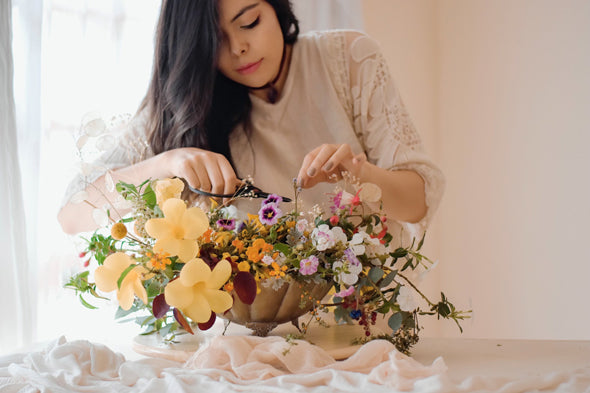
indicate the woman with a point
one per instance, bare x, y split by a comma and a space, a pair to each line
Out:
235, 93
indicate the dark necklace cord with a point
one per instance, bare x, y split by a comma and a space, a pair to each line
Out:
273, 93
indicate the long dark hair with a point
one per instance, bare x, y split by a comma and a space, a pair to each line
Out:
189, 102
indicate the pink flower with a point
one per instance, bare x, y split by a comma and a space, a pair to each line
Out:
309, 265
345, 292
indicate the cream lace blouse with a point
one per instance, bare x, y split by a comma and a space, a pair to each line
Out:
338, 90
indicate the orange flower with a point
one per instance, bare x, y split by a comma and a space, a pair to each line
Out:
238, 244
256, 251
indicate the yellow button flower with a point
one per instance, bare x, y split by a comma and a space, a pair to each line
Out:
196, 292
107, 275
177, 232
168, 188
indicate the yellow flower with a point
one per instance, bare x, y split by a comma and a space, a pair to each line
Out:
244, 266
175, 234
168, 188
196, 292
107, 275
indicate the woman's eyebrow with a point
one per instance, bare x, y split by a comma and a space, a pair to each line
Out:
246, 8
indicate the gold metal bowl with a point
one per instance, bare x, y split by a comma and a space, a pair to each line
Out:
272, 307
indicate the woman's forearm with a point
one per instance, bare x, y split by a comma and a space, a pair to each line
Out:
403, 192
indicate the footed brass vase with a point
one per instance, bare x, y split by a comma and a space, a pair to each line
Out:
272, 307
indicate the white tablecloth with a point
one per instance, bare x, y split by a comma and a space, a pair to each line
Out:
243, 363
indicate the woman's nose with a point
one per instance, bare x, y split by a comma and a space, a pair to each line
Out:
239, 47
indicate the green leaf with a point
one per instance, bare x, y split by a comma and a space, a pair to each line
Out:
284, 248
124, 274
388, 279
86, 304
375, 274
123, 313
399, 253
421, 242
149, 196
395, 321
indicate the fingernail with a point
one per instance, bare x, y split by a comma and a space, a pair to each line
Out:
311, 172
328, 167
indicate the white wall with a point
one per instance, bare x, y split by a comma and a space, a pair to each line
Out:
511, 128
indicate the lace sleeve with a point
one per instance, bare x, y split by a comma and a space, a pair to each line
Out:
381, 121
127, 145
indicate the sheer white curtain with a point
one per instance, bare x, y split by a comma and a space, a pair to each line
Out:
16, 328
96, 55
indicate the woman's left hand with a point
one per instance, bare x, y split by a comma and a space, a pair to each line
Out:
326, 163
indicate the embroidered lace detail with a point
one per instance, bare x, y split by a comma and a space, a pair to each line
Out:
130, 146
384, 128
338, 63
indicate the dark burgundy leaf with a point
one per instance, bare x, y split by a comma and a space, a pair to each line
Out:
159, 306
245, 287
207, 325
183, 322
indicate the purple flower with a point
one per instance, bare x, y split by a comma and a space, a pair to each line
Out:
349, 254
272, 198
269, 214
228, 224
241, 226
309, 265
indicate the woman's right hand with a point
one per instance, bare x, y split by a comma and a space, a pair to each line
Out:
202, 169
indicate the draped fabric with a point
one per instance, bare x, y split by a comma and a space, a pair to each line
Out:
16, 328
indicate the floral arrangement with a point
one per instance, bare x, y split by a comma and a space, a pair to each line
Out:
179, 266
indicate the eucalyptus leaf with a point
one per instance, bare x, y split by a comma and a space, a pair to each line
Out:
388, 279
375, 274
395, 321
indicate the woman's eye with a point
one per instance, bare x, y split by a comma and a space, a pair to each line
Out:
252, 25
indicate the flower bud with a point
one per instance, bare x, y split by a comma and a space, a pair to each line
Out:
119, 231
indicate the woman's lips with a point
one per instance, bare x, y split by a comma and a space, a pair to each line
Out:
249, 68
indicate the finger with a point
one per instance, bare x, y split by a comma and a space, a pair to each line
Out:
215, 177
201, 171
321, 159
188, 173
302, 177
341, 154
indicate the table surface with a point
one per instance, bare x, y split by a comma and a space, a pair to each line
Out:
511, 359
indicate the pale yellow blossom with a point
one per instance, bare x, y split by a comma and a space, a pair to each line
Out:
168, 188
107, 276
197, 290
177, 232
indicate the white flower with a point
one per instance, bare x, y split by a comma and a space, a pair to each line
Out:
301, 225
322, 237
267, 260
339, 235
406, 300
346, 273
356, 243
229, 212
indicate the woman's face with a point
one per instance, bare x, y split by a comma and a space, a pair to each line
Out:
252, 42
